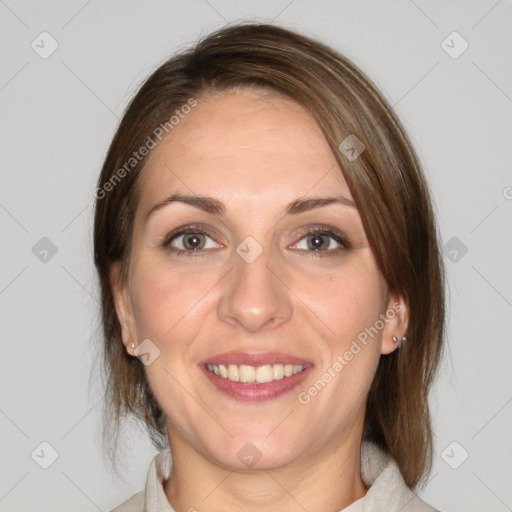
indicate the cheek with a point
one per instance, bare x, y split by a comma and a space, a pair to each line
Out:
167, 303
347, 302
350, 354
169, 309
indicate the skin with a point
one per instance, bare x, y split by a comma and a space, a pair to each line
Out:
256, 153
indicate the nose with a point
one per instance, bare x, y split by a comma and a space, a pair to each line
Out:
253, 297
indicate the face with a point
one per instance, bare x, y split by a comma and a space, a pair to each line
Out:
253, 280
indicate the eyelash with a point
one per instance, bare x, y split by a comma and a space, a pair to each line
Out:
185, 230
338, 236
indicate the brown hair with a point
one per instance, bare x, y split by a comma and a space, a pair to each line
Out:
386, 182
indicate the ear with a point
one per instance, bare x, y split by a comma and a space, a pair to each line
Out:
396, 321
123, 306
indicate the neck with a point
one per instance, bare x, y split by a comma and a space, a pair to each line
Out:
327, 481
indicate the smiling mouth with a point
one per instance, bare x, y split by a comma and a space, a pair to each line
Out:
262, 374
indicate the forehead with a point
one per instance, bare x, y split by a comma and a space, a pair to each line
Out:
244, 143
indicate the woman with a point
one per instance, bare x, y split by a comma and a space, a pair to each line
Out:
272, 287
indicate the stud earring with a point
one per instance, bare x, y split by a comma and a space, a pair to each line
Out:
133, 344
398, 342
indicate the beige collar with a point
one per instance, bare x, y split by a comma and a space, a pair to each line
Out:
387, 489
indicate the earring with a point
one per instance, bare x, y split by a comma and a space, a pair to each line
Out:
133, 344
398, 342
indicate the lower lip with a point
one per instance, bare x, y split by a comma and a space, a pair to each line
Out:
256, 392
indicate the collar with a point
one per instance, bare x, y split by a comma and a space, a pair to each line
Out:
379, 472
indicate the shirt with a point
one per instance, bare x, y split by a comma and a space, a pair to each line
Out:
387, 490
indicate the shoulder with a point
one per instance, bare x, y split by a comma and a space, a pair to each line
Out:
134, 504
152, 498
387, 488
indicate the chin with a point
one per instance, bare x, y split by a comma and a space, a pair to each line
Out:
257, 450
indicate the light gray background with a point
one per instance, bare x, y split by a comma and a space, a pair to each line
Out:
58, 117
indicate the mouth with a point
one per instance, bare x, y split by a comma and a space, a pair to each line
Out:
255, 376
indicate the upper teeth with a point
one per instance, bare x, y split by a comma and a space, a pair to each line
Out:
251, 374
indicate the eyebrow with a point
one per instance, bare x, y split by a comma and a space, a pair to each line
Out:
216, 207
